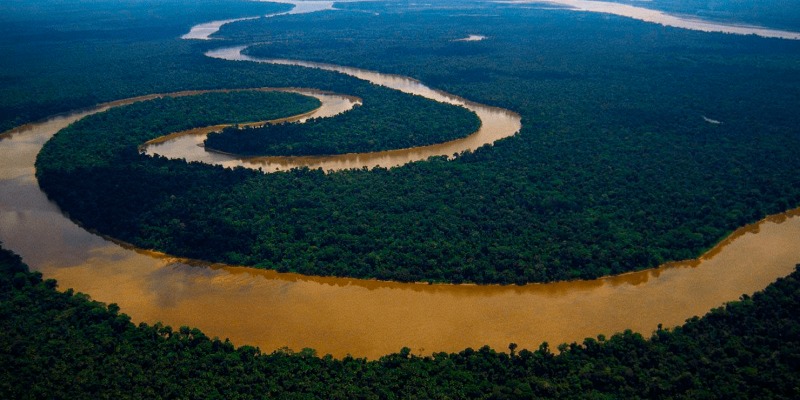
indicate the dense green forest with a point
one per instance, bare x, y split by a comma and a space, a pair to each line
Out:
235, 107
390, 120
67, 54
63, 345
614, 170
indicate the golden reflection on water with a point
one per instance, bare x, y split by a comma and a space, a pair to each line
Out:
368, 318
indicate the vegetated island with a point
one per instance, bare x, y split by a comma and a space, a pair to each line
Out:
389, 120
438, 220
612, 171
64, 345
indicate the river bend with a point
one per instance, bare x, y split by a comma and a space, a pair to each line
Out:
496, 123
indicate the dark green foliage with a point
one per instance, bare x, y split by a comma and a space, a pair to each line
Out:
614, 169
33, 21
71, 54
388, 120
123, 129
67, 54
63, 345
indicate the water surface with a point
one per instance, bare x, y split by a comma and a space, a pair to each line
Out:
205, 30
662, 18
367, 318
188, 145
496, 123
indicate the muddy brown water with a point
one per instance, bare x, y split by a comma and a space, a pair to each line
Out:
187, 145
367, 318
663, 18
496, 124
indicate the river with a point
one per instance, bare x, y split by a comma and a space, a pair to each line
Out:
366, 318
662, 18
496, 123
204, 31
187, 145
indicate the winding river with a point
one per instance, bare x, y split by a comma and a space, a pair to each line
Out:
366, 318
662, 18
205, 30
188, 145
496, 123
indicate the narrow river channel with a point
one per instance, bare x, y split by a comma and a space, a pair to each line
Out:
496, 123
187, 145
